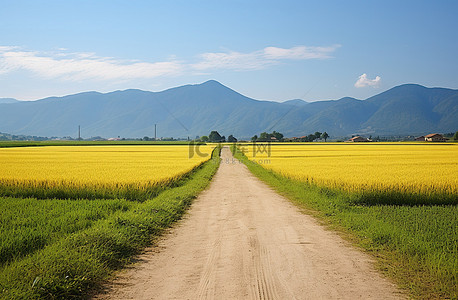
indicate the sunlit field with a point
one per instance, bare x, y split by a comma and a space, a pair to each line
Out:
93, 171
71, 215
399, 201
402, 168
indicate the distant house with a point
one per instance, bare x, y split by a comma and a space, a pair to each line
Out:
358, 139
435, 137
420, 138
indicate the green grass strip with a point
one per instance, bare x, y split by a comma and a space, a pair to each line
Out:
28, 225
416, 245
76, 264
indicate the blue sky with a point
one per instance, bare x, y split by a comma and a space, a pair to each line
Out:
267, 50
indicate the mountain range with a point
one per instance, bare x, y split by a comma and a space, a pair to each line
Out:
195, 110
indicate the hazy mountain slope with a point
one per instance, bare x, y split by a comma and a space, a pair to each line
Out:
296, 102
8, 100
197, 109
411, 109
344, 116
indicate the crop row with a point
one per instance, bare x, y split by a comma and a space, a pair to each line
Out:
412, 232
64, 248
389, 173
95, 172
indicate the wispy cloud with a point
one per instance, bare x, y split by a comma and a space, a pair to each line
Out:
261, 59
363, 81
64, 65
299, 52
82, 66
232, 61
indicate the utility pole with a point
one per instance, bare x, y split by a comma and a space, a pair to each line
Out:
79, 133
155, 131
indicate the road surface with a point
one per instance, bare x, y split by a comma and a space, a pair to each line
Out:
241, 240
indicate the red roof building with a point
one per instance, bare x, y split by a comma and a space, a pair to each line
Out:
435, 137
358, 139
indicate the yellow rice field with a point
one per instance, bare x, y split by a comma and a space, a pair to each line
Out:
98, 165
417, 168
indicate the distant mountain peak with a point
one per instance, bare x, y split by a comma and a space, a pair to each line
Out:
216, 87
348, 99
196, 109
296, 102
409, 86
212, 82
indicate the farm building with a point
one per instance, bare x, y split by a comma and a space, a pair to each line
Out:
435, 137
420, 138
358, 139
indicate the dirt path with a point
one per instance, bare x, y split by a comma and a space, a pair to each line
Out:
241, 240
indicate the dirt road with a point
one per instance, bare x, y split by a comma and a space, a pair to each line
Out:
241, 240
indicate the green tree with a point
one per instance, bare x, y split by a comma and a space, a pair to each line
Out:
267, 137
455, 136
317, 135
231, 139
204, 138
214, 137
310, 138
325, 136
254, 138
277, 135
264, 137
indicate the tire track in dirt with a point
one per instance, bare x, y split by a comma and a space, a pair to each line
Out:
265, 287
207, 283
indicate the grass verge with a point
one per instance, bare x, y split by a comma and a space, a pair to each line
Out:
415, 245
72, 265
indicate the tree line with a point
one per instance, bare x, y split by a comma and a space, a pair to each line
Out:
274, 136
312, 137
215, 137
279, 137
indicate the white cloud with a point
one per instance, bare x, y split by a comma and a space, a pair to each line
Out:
261, 59
299, 52
64, 65
363, 81
232, 61
83, 66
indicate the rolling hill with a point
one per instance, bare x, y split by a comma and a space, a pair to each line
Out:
193, 110
8, 100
